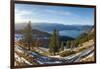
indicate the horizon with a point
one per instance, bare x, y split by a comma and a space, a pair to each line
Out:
54, 14
54, 23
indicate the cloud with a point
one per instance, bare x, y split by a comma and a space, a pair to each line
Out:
22, 15
59, 12
22, 12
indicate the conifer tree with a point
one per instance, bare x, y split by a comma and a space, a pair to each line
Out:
62, 46
54, 43
68, 43
27, 35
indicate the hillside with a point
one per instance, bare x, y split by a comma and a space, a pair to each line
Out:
86, 36
44, 34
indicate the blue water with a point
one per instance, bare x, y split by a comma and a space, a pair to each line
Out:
18, 36
71, 33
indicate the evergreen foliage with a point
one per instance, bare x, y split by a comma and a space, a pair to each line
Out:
54, 43
27, 36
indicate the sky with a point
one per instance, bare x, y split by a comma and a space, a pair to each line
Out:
54, 14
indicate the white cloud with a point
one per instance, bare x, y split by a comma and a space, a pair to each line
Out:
25, 15
59, 12
20, 15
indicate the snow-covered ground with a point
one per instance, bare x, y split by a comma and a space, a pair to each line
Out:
51, 59
21, 60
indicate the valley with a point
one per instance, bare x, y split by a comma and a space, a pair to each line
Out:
79, 48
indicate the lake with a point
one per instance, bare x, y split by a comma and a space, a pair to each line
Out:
71, 33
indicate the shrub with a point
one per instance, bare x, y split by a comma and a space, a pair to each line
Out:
67, 53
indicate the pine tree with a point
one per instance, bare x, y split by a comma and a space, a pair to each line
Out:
68, 44
27, 35
76, 42
72, 45
54, 43
62, 46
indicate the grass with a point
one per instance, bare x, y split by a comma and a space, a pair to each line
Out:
88, 59
20, 64
74, 51
82, 48
67, 53
30, 59
43, 53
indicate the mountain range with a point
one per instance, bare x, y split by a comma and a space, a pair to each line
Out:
48, 27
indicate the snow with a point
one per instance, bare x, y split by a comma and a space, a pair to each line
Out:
26, 61
57, 56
